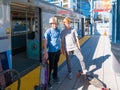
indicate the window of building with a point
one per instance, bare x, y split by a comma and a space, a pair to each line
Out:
74, 1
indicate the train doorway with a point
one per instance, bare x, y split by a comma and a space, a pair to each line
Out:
25, 37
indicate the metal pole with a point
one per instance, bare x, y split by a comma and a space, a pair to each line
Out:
91, 16
114, 22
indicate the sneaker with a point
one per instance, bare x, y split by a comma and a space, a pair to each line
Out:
84, 71
70, 76
56, 80
49, 86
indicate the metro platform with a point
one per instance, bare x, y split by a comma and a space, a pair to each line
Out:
99, 59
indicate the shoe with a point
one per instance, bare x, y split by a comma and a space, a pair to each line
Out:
70, 75
85, 71
90, 76
49, 86
56, 80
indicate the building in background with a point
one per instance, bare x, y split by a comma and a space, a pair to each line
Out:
83, 7
69, 4
55, 2
79, 6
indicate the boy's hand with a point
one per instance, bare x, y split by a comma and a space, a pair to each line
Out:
45, 57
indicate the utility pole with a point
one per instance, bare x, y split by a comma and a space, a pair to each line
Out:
91, 17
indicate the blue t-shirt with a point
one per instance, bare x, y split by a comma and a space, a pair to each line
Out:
53, 39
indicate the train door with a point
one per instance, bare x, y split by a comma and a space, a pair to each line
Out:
25, 37
33, 38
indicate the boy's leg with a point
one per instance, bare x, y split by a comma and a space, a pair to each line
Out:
81, 60
68, 59
51, 64
55, 69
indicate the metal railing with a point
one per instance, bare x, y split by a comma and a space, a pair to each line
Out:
12, 72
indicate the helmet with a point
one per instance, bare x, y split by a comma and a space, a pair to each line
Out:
53, 20
66, 20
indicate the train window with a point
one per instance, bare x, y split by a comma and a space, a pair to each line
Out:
19, 26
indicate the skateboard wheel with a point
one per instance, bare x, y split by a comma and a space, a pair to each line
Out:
105, 88
78, 75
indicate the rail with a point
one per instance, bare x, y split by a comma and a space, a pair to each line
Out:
13, 71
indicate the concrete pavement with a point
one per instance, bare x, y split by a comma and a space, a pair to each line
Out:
99, 60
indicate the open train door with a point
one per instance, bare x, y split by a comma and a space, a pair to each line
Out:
25, 36
34, 38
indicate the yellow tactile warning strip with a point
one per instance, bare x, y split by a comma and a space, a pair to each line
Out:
28, 81
32, 78
83, 40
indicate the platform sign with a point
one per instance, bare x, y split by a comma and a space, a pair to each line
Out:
102, 5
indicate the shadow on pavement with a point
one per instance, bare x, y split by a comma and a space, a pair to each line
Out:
98, 62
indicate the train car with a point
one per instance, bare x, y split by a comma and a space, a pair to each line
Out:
22, 26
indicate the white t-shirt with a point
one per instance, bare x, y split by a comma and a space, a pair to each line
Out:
69, 38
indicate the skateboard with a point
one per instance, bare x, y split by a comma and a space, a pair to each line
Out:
44, 75
92, 80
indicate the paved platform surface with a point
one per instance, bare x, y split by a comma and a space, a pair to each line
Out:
99, 60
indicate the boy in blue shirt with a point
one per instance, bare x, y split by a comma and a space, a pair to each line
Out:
52, 48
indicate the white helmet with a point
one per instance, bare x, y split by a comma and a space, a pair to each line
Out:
53, 20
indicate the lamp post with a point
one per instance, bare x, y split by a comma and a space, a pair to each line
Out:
114, 19
91, 17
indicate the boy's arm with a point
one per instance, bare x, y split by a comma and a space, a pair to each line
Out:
78, 43
62, 46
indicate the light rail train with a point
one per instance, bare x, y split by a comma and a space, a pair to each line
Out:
22, 26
